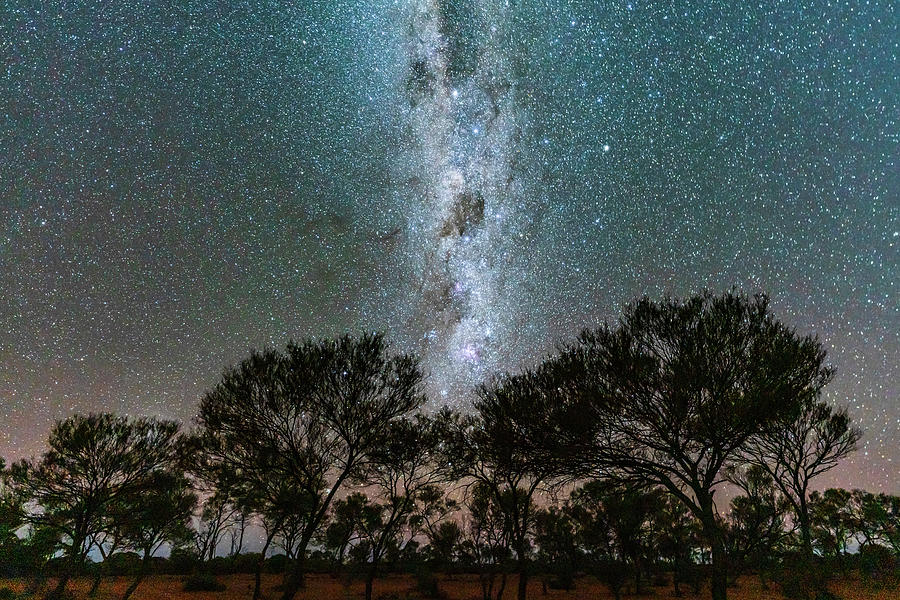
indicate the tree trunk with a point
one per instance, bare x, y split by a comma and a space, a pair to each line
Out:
487, 578
257, 576
370, 578
295, 578
134, 585
257, 573
523, 579
676, 580
637, 577
719, 575
98, 575
718, 556
142, 573
60, 588
502, 587
68, 568
238, 544
805, 529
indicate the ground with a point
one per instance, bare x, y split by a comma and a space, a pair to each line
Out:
458, 587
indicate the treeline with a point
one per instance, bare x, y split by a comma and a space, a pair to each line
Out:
608, 458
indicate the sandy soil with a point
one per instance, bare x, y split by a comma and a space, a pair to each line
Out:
459, 587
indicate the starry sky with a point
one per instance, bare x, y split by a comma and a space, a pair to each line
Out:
181, 181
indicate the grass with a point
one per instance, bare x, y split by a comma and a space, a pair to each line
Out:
458, 587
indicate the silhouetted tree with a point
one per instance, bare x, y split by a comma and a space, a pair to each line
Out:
12, 520
832, 521
342, 531
92, 463
233, 493
155, 512
617, 523
282, 507
158, 512
596, 537
241, 520
876, 519
444, 544
800, 448
755, 525
402, 468
107, 541
430, 519
289, 535
677, 539
311, 416
671, 395
26, 555
216, 516
557, 544
486, 538
492, 448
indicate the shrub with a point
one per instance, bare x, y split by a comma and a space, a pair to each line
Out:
202, 582
613, 574
878, 564
427, 585
801, 578
562, 579
123, 563
245, 563
276, 564
7, 594
182, 562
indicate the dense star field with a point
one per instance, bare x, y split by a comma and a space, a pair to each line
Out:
480, 179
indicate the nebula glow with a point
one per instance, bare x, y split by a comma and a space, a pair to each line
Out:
464, 176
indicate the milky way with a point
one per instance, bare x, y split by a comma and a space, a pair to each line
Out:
471, 209
480, 179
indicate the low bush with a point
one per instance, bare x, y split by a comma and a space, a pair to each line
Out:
803, 578
427, 585
203, 582
878, 565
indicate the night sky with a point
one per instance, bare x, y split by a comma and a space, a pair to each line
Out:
181, 181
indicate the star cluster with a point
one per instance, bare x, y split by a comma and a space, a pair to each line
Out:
480, 179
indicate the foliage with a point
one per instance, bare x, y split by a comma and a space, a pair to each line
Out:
485, 542
803, 578
495, 449
672, 394
558, 552
12, 520
832, 521
615, 526
202, 582
879, 565
801, 447
755, 526
94, 464
677, 538
321, 444
288, 429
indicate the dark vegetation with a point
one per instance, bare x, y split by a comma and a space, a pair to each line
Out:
611, 458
